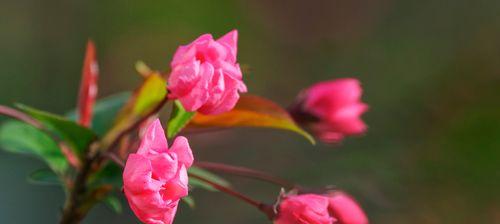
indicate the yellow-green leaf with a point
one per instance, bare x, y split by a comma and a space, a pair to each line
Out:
251, 111
142, 103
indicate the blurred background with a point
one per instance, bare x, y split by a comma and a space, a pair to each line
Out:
430, 71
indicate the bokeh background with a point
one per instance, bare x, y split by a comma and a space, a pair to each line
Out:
430, 71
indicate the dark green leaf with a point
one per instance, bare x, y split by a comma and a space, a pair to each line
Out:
113, 203
78, 137
18, 137
44, 177
105, 112
193, 182
189, 201
111, 174
178, 120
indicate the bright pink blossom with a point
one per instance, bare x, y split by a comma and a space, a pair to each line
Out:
155, 177
304, 209
345, 209
205, 76
335, 208
335, 107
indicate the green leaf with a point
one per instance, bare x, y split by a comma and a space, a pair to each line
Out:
144, 100
78, 137
105, 112
113, 203
44, 177
189, 201
110, 174
18, 137
193, 182
178, 120
251, 111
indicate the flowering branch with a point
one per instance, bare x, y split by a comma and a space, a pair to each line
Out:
208, 102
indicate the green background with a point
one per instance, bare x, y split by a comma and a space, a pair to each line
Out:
430, 71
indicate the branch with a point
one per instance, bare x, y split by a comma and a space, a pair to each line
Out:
265, 208
246, 172
72, 211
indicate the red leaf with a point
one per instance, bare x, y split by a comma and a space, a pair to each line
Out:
88, 86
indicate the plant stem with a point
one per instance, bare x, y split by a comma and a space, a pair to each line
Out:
267, 209
73, 212
246, 172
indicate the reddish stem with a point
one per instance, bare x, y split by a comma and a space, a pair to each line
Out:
13, 113
246, 172
267, 209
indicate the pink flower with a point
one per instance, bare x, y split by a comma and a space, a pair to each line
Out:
155, 177
205, 76
335, 208
332, 109
304, 209
345, 209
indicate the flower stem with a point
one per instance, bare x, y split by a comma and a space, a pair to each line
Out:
267, 209
246, 172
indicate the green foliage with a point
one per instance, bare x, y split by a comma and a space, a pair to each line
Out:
44, 177
18, 137
178, 119
113, 203
78, 137
189, 201
111, 174
105, 111
195, 183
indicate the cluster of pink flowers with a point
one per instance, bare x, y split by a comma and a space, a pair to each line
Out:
206, 78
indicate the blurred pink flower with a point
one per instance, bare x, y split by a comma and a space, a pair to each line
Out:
335, 108
345, 209
304, 209
335, 208
155, 177
205, 76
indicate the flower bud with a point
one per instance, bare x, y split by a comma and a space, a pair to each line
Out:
332, 109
